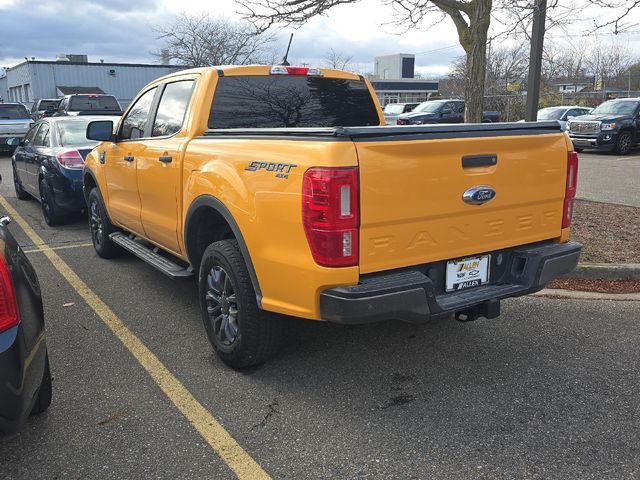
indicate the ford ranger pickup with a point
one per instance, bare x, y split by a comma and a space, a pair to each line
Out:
282, 192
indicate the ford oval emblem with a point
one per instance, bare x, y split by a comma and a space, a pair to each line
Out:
479, 195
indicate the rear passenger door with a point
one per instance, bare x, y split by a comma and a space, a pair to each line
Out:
159, 169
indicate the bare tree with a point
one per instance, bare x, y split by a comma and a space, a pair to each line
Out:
337, 60
202, 40
470, 17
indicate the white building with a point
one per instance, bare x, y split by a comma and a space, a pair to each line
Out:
35, 79
394, 80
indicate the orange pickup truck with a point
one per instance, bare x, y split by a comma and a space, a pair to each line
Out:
279, 189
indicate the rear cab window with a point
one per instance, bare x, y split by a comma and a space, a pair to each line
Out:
13, 112
81, 103
274, 101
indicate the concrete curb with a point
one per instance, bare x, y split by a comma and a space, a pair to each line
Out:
579, 295
606, 271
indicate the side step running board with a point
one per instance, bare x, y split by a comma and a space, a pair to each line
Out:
154, 259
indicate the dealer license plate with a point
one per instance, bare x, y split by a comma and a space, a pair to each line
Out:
467, 273
581, 143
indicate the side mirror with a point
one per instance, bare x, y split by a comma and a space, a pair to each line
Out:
101, 131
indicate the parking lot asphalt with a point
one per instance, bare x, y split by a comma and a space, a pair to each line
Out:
609, 178
548, 390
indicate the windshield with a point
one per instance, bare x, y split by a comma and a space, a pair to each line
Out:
394, 108
73, 133
551, 113
249, 101
93, 102
615, 107
13, 112
428, 107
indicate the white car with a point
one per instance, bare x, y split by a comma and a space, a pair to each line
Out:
561, 114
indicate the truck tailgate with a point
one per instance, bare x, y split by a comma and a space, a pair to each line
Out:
411, 193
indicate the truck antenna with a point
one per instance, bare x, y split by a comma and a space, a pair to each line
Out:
285, 63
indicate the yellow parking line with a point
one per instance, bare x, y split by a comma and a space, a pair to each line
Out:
236, 458
61, 247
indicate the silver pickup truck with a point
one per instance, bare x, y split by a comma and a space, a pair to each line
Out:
14, 124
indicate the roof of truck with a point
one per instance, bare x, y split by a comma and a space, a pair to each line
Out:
235, 70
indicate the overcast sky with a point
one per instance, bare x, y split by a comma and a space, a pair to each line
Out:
122, 31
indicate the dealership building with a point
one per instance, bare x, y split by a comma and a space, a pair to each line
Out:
394, 80
33, 79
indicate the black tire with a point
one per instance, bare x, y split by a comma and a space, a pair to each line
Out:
20, 192
100, 227
250, 337
46, 203
624, 143
43, 399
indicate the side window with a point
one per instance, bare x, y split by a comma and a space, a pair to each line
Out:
42, 137
172, 108
34, 107
135, 123
460, 107
28, 138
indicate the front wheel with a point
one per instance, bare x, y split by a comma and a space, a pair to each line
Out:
100, 227
241, 333
20, 192
624, 143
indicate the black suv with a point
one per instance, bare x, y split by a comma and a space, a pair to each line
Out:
612, 126
88, 104
441, 111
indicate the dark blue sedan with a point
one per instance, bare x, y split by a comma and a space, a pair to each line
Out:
25, 378
48, 165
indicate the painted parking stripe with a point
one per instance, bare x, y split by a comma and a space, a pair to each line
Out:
61, 247
236, 458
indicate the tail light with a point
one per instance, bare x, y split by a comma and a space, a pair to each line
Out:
8, 306
70, 158
570, 189
401, 121
330, 215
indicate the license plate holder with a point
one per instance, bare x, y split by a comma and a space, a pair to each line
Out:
467, 272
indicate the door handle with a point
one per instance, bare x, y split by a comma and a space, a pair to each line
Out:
129, 158
165, 158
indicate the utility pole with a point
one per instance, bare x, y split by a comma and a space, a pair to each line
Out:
535, 60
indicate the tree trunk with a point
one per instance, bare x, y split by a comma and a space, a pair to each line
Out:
475, 46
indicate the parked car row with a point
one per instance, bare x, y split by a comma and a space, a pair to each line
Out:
15, 119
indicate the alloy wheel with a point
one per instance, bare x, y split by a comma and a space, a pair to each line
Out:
95, 222
222, 306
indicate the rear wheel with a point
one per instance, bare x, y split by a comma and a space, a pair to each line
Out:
46, 202
100, 227
45, 392
624, 143
241, 333
20, 192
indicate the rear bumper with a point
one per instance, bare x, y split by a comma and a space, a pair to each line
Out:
416, 295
